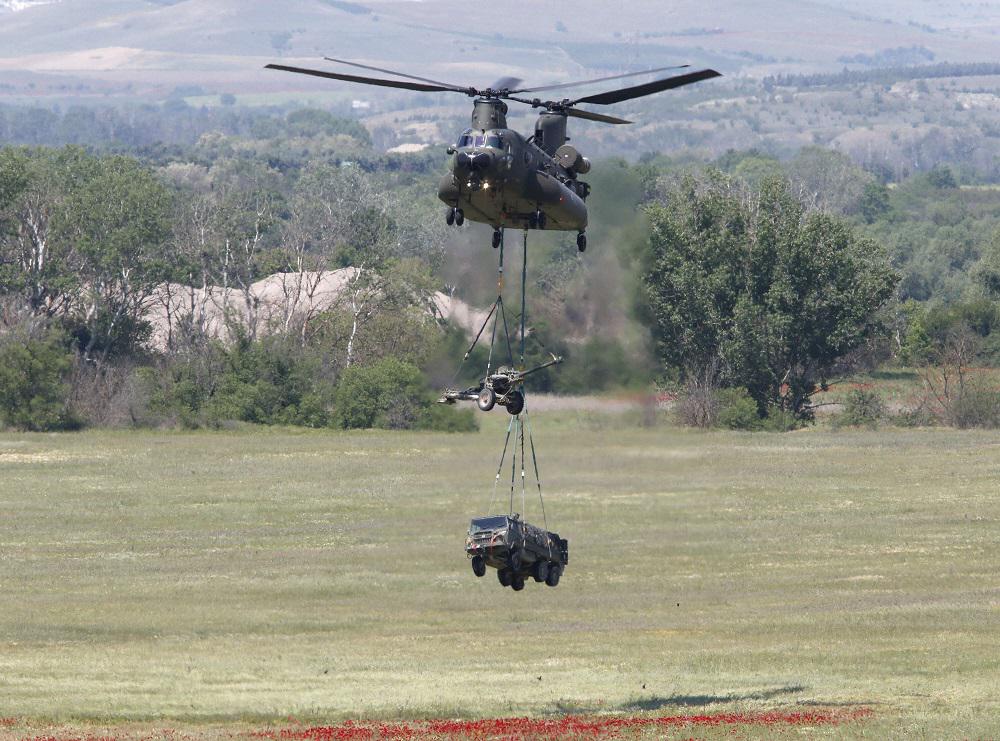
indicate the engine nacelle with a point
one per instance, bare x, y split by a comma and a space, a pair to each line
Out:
570, 159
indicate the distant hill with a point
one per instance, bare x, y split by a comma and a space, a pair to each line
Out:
152, 47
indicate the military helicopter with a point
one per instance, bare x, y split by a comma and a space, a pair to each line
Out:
499, 177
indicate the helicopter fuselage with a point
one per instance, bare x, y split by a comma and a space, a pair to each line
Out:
500, 178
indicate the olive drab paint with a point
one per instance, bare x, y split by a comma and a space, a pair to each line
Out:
497, 176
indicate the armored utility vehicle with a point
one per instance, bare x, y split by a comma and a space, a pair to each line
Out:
516, 550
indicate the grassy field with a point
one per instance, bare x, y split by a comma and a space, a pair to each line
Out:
228, 582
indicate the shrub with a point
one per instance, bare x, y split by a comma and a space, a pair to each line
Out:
446, 418
698, 406
862, 408
387, 394
34, 394
737, 410
975, 407
270, 381
780, 420
919, 417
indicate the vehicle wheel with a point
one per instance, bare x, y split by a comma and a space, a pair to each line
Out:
541, 571
487, 399
497, 237
515, 403
449, 216
517, 583
533, 221
581, 242
505, 576
552, 579
539, 220
514, 560
459, 217
478, 565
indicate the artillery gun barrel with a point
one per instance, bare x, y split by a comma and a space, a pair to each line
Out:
520, 375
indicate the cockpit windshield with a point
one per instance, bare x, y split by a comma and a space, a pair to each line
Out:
487, 523
476, 139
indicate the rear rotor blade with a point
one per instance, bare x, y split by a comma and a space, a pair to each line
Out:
368, 80
591, 116
638, 91
398, 74
599, 79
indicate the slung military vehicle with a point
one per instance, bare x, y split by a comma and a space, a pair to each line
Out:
501, 178
516, 550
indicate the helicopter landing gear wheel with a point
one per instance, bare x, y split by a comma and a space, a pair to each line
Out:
449, 217
497, 238
459, 217
581, 242
487, 399
515, 403
478, 565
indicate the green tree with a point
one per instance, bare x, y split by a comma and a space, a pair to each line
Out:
874, 202
746, 289
118, 221
34, 394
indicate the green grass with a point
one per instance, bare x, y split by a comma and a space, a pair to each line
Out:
243, 577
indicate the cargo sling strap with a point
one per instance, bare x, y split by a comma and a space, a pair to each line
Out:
520, 424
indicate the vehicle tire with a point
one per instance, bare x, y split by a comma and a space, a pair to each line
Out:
581, 242
487, 399
552, 579
533, 221
459, 217
505, 576
449, 217
540, 571
517, 583
478, 565
515, 403
514, 560
496, 238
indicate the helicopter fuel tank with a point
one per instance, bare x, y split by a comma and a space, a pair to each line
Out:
489, 113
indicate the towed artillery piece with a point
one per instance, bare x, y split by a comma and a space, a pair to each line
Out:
500, 388
516, 550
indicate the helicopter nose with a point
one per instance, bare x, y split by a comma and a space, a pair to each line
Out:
473, 161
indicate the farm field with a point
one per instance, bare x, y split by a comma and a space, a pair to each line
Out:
247, 582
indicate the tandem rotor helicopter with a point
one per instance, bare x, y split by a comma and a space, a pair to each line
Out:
499, 177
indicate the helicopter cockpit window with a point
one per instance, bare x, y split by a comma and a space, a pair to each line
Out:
471, 139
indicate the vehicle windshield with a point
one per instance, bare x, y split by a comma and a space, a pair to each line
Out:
488, 523
472, 139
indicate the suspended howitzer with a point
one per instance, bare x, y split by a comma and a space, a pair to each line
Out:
500, 388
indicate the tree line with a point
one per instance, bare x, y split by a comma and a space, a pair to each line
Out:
185, 289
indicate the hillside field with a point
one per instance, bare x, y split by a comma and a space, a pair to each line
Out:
169, 585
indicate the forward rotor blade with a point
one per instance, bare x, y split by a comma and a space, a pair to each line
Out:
368, 80
638, 91
591, 116
506, 83
599, 79
398, 74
